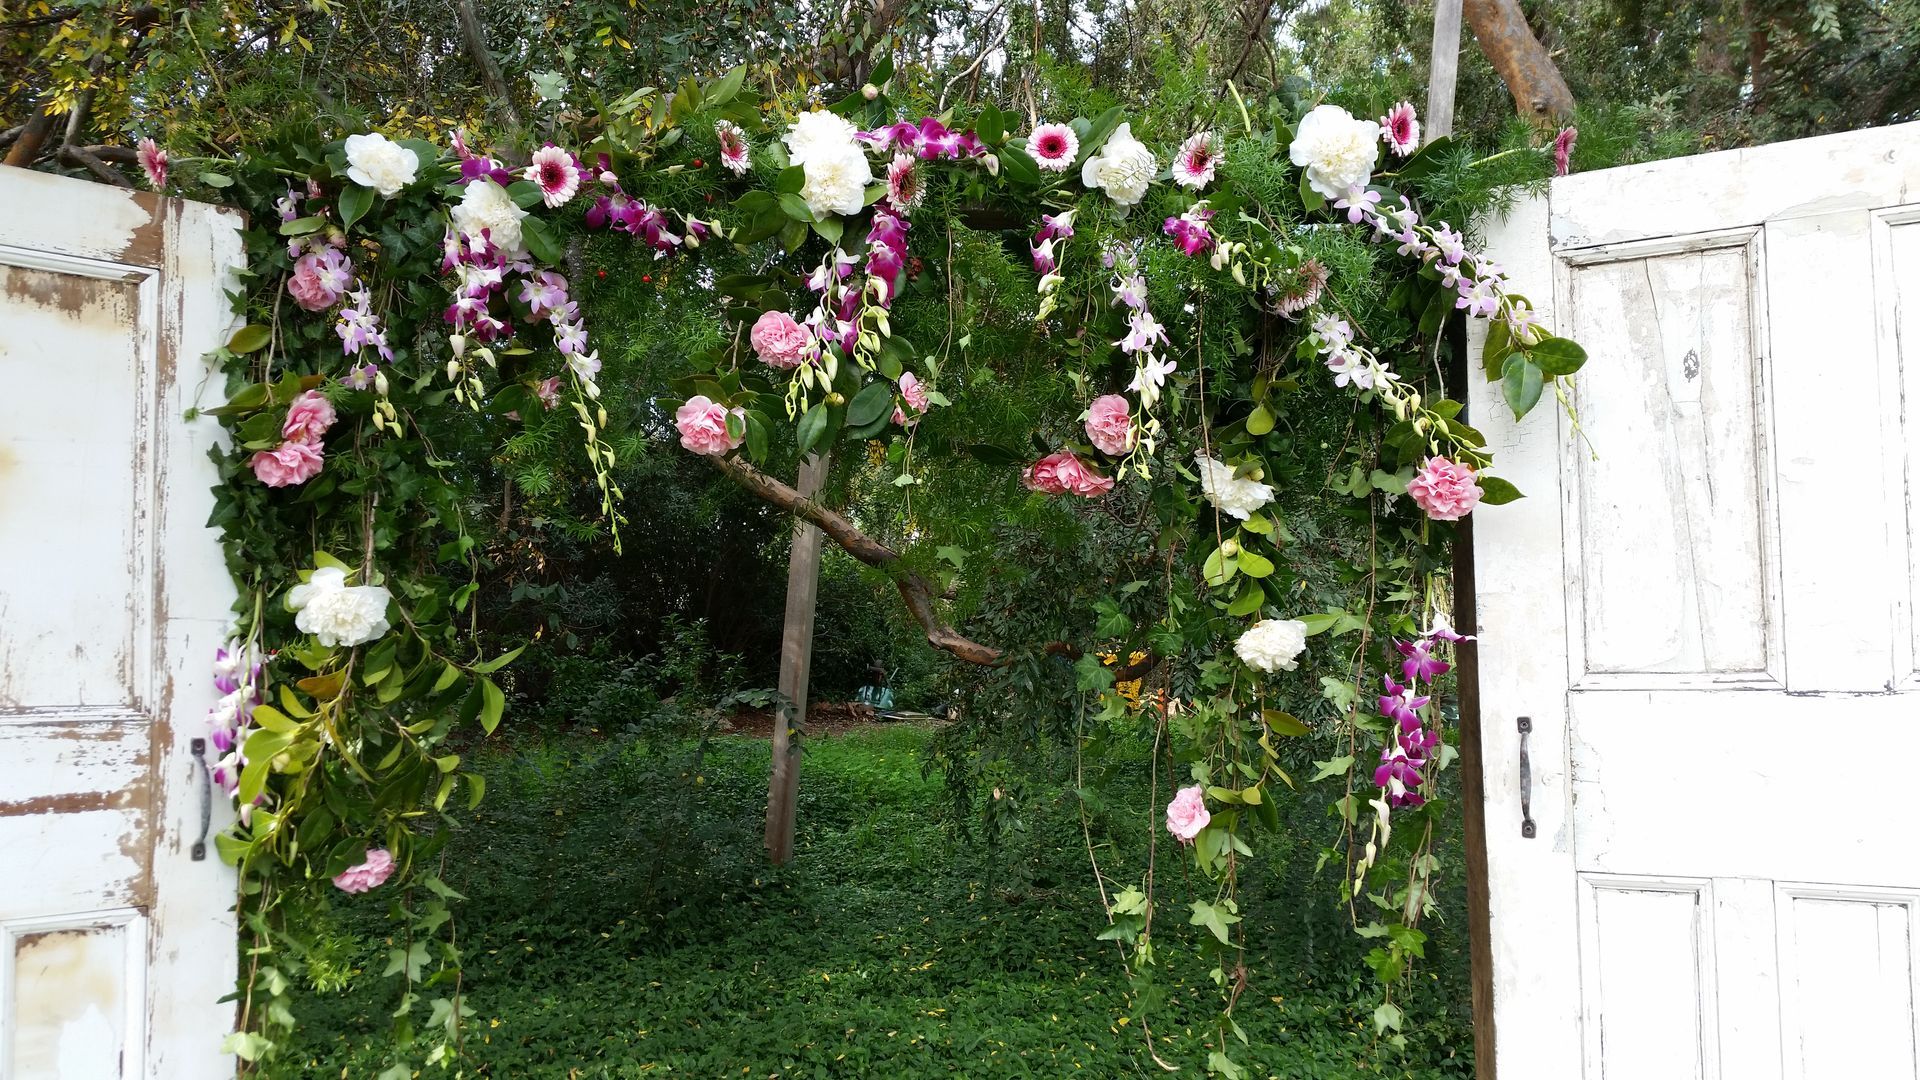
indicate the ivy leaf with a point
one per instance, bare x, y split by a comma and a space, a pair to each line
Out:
1520, 384
1386, 1017
1215, 917
355, 201
1497, 492
1333, 767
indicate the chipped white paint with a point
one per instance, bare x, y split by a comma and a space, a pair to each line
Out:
1717, 888
115, 947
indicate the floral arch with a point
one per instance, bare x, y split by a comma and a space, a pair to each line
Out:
1187, 281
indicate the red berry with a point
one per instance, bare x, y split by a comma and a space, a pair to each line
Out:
698, 164
603, 273
646, 277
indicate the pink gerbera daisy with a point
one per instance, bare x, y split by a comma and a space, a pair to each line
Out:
153, 161
557, 173
1199, 156
1400, 129
1563, 150
734, 153
1053, 147
904, 189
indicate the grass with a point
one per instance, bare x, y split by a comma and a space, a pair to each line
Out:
620, 924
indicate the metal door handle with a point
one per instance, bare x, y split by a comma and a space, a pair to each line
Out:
206, 799
1526, 780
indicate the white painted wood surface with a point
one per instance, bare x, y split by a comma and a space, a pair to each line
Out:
1723, 692
115, 946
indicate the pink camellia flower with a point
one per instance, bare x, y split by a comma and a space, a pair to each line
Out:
153, 162
308, 418
1187, 813
319, 279
557, 173
913, 392
368, 875
1444, 489
1563, 150
1053, 147
1400, 129
703, 426
779, 341
1061, 473
1196, 161
1110, 424
288, 465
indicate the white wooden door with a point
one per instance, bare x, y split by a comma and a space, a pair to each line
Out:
1725, 692
115, 943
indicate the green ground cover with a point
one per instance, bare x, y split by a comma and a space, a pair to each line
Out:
620, 924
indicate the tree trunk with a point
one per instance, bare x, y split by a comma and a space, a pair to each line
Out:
1539, 91
796, 660
490, 74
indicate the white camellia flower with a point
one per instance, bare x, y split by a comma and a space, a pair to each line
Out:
379, 163
1272, 645
338, 614
837, 171
837, 183
1235, 496
1123, 168
819, 134
486, 206
1336, 149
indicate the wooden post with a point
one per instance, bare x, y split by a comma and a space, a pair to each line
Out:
1443, 69
796, 657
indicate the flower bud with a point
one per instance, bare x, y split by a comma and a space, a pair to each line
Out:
869, 91
992, 162
453, 370
380, 383
459, 343
836, 398
1230, 548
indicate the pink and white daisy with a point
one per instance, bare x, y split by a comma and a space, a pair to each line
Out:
557, 173
153, 162
1562, 150
1053, 147
1400, 129
904, 189
734, 152
1199, 156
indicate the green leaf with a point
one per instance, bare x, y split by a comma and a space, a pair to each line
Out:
790, 180
869, 404
273, 719
1520, 384
1497, 492
1333, 767
1253, 564
726, 87
1310, 199
1493, 354
812, 425
448, 676
1098, 131
301, 226
216, 180
1215, 917
1249, 601
355, 201
1018, 166
1319, 624
1284, 723
1386, 1017
249, 338
991, 126
1219, 569
493, 705
795, 207
498, 662
1426, 160
525, 193
830, 229
542, 242
1557, 356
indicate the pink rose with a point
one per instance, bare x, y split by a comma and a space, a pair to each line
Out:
1444, 489
374, 872
911, 389
308, 418
319, 278
703, 426
1061, 473
1187, 813
779, 340
288, 464
1110, 425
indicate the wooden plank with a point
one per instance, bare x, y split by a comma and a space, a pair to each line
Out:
1443, 68
796, 657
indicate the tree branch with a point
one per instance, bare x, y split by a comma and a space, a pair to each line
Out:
918, 593
490, 75
1539, 91
74, 155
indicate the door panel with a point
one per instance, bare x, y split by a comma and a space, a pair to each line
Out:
116, 944
1705, 609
